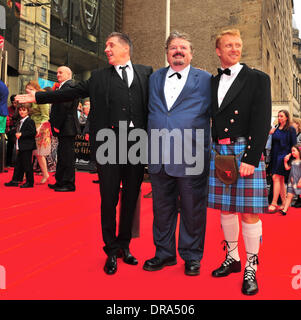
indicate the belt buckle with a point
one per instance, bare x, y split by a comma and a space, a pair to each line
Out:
224, 141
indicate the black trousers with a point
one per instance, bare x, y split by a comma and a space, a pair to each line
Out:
111, 176
11, 141
65, 168
24, 165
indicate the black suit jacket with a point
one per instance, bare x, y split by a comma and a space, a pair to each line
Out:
97, 87
244, 112
63, 115
27, 139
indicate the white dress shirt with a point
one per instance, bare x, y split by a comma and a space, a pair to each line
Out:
173, 86
130, 73
129, 70
226, 81
21, 124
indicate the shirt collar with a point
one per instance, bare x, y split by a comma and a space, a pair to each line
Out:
129, 63
235, 68
62, 83
183, 72
23, 119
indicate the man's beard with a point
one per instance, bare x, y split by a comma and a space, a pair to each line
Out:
178, 63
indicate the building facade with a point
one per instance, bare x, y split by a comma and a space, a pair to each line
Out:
265, 25
296, 74
41, 35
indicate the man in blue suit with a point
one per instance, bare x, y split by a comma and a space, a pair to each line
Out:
179, 144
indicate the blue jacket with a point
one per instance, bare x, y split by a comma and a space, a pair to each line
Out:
190, 111
3, 99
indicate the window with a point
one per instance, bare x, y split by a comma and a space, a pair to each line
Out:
43, 15
44, 60
44, 37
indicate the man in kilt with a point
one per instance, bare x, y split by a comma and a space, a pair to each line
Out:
241, 116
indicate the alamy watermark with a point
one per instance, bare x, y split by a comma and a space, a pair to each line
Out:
2, 278
188, 147
296, 281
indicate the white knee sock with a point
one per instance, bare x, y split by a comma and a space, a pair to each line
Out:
252, 233
230, 225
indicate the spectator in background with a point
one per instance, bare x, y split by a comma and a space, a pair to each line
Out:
40, 115
11, 123
3, 106
51, 159
3, 115
283, 138
296, 123
79, 109
292, 162
85, 112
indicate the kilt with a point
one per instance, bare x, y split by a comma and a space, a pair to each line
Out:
248, 195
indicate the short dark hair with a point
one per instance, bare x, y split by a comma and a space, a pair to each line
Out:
123, 37
178, 35
24, 106
12, 98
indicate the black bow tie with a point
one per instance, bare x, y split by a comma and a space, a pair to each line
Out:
225, 71
178, 75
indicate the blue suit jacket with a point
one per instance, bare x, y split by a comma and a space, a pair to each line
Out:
3, 99
191, 110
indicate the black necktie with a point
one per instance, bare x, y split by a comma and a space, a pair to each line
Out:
178, 75
124, 75
225, 71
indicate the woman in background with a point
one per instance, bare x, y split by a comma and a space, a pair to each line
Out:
283, 138
40, 115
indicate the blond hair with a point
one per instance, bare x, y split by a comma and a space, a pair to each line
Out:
231, 32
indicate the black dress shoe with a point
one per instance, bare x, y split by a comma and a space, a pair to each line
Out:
111, 265
156, 263
11, 184
127, 257
64, 189
249, 285
192, 267
26, 185
230, 265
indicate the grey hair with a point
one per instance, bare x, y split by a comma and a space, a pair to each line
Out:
178, 35
123, 38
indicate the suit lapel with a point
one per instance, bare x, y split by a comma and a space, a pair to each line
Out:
141, 82
235, 88
161, 85
214, 88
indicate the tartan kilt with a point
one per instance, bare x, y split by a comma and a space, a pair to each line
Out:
248, 195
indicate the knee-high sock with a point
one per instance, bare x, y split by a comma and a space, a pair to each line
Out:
230, 225
252, 233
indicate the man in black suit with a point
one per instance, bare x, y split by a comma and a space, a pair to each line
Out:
65, 125
117, 93
241, 117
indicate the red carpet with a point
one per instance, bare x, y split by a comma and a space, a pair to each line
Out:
51, 248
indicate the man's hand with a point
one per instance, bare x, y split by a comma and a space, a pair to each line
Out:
246, 169
18, 135
26, 98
